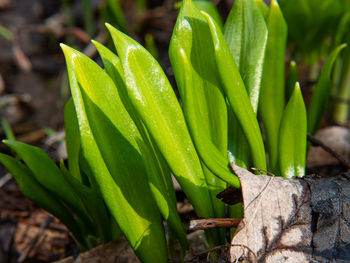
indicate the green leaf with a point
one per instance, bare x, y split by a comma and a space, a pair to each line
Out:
72, 139
237, 95
203, 94
264, 9
208, 7
292, 137
271, 104
159, 177
93, 203
292, 78
321, 93
163, 192
7, 129
310, 23
156, 104
108, 143
32, 189
50, 176
246, 35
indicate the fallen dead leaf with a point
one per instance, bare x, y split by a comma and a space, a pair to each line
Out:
291, 220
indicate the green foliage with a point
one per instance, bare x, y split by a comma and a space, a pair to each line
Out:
310, 23
127, 132
246, 35
321, 93
271, 103
292, 136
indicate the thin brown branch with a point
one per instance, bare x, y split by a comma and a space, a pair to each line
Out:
208, 223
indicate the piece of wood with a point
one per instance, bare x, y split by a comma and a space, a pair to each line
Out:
208, 223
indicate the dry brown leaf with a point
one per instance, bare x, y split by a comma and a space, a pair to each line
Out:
288, 220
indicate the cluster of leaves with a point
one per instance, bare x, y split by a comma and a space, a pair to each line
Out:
126, 131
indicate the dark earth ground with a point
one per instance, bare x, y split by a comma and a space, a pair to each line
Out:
33, 90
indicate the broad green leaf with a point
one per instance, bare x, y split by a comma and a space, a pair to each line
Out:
72, 139
109, 147
246, 35
321, 93
263, 7
292, 137
159, 184
292, 78
32, 189
208, 7
93, 203
208, 152
159, 176
237, 95
50, 176
271, 103
114, 69
192, 36
156, 104
76, 163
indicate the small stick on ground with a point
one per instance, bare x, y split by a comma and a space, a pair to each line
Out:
208, 223
318, 143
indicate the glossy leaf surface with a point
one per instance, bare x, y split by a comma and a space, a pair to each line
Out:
237, 95
246, 35
271, 104
72, 139
203, 95
292, 137
157, 106
108, 144
208, 7
159, 177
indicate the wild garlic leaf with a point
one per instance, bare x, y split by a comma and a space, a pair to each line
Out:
292, 78
292, 137
50, 176
320, 96
191, 35
72, 139
32, 189
163, 191
159, 176
109, 147
272, 101
93, 203
208, 7
156, 104
246, 35
237, 95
